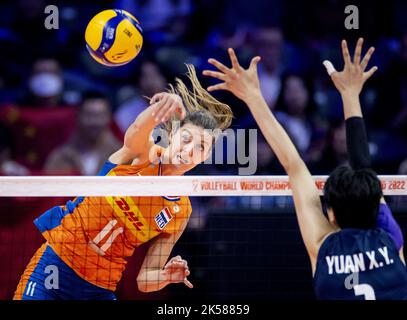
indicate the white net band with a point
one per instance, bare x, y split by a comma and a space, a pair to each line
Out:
55, 186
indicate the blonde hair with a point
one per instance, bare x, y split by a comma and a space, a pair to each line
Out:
200, 104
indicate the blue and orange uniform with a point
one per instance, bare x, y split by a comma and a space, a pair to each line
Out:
89, 239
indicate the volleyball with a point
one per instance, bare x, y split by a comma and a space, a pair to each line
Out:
113, 37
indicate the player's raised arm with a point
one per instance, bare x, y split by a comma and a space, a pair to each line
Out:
349, 83
138, 139
244, 84
156, 272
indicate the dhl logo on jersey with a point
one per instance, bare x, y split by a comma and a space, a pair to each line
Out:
125, 208
130, 214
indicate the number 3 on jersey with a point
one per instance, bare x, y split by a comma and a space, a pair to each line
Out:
365, 290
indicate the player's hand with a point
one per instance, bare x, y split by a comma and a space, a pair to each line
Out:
165, 105
243, 83
176, 271
353, 76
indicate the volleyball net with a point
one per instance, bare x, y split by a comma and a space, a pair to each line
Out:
242, 240
37, 186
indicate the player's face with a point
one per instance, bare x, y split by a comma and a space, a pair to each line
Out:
189, 146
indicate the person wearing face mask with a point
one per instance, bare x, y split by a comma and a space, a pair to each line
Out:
45, 84
45, 88
41, 121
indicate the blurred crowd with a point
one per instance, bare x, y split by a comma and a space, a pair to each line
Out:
63, 113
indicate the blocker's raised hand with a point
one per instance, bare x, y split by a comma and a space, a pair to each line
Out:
239, 81
353, 76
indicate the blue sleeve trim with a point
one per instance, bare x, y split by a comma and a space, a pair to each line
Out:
50, 219
53, 217
106, 168
70, 206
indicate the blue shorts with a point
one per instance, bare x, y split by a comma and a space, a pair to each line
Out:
53, 279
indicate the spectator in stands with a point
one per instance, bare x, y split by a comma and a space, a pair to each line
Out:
296, 113
8, 166
334, 153
268, 43
40, 122
45, 84
90, 144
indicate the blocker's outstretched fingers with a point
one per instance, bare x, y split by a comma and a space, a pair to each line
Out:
358, 52
366, 58
369, 73
220, 86
329, 67
214, 74
346, 54
254, 62
233, 58
219, 65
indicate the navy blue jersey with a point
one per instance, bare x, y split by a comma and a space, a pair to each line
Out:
355, 264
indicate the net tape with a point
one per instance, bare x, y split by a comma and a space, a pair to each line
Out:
71, 186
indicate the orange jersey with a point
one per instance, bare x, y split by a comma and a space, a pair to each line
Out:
95, 235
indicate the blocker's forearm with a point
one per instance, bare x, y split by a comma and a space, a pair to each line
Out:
351, 105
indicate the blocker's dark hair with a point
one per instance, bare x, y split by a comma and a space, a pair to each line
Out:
354, 196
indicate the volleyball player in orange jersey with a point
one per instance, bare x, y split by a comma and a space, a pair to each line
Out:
89, 238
